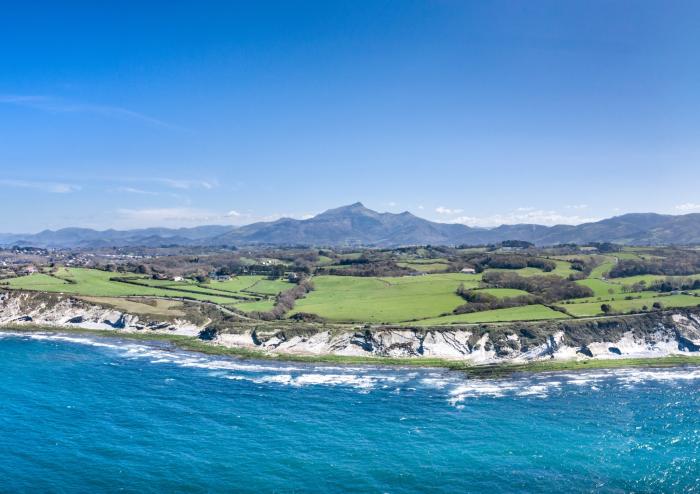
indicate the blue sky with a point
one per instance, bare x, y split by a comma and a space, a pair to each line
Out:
484, 112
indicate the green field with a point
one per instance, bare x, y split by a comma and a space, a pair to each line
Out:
602, 269
601, 288
190, 288
151, 307
650, 279
563, 269
268, 287
348, 298
524, 313
39, 282
260, 305
426, 267
523, 271
590, 309
615, 296
428, 298
237, 284
96, 283
502, 292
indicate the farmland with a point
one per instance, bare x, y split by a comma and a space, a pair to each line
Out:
95, 283
420, 286
345, 299
525, 313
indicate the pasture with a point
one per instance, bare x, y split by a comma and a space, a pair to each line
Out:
524, 313
96, 283
356, 299
428, 298
590, 309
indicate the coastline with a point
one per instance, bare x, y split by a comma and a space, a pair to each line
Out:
490, 370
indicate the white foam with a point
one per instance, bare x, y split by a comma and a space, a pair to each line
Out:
365, 378
635, 376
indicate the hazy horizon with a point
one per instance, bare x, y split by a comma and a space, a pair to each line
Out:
305, 217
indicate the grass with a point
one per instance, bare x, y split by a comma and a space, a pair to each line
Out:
427, 267
429, 299
590, 309
40, 282
562, 269
616, 296
524, 313
650, 279
503, 292
523, 271
260, 305
600, 288
96, 283
269, 287
602, 269
80, 281
151, 307
406, 298
237, 284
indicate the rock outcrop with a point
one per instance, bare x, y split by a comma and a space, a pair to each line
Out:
653, 334
646, 335
41, 309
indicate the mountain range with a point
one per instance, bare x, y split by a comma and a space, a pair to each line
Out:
356, 225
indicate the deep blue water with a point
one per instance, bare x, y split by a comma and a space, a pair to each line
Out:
80, 414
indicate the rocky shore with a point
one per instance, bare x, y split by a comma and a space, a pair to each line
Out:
648, 335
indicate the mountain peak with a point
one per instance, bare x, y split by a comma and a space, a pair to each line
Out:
357, 207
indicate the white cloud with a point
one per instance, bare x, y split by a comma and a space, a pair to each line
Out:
57, 105
577, 206
133, 190
688, 207
524, 215
187, 184
167, 215
189, 216
444, 210
53, 187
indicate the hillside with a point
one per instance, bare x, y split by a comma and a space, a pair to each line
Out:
356, 225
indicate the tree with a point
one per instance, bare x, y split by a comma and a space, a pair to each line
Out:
657, 306
605, 308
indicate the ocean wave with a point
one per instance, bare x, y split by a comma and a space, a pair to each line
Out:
457, 387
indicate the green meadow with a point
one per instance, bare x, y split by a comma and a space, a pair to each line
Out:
97, 283
348, 299
524, 313
426, 298
589, 309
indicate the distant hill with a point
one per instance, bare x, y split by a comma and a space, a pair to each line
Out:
356, 225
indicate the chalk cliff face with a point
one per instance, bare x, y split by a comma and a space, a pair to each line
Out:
646, 335
651, 335
60, 311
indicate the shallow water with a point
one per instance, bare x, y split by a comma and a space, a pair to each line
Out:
86, 414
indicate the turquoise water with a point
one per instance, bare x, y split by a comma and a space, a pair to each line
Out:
79, 414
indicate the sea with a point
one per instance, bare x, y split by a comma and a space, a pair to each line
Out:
95, 414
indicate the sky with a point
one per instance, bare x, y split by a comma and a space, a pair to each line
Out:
135, 114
